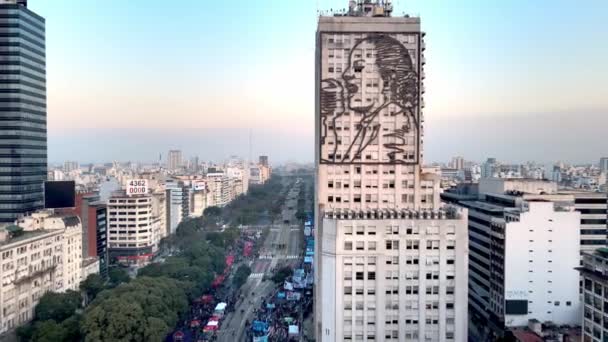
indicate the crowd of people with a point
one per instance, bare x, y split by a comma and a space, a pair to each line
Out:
194, 327
282, 312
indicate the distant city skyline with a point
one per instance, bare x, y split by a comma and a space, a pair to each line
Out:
508, 80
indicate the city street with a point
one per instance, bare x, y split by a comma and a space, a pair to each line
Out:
283, 246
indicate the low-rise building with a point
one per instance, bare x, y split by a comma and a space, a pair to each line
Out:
40, 253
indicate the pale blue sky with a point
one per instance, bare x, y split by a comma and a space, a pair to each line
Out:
130, 79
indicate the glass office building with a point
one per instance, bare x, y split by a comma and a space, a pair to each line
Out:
23, 140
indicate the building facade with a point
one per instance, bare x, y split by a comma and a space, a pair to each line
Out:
174, 160
219, 186
23, 106
523, 250
390, 261
93, 216
594, 274
593, 207
174, 204
604, 164
133, 230
40, 253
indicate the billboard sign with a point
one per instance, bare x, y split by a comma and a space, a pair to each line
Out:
59, 194
137, 187
199, 185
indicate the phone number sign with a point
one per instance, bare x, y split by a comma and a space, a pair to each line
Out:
137, 187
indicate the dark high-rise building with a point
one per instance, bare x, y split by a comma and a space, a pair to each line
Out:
23, 146
264, 160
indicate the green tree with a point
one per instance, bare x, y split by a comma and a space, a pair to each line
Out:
281, 274
117, 276
114, 319
25, 332
241, 275
142, 310
72, 328
49, 331
213, 211
92, 286
57, 306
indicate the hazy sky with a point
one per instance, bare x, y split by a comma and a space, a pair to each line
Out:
128, 80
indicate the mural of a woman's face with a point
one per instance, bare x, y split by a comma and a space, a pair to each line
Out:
358, 82
332, 95
393, 81
391, 71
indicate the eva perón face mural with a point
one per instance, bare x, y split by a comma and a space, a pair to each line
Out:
369, 99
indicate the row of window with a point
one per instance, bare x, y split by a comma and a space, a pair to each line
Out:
373, 169
394, 245
373, 184
413, 289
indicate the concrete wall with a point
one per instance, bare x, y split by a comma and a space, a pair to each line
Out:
338, 262
500, 185
541, 252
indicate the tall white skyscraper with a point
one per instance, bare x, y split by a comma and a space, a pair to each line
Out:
604, 164
174, 160
390, 261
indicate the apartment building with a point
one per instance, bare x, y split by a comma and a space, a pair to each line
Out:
133, 229
390, 260
594, 272
219, 186
523, 249
39, 253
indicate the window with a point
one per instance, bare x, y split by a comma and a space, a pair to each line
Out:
371, 246
371, 275
359, 275
371, 260
412, 244
450, 244
360, 230
348, 290
392, 260
348, 230
392, 244
348, 245
432, 244
361, 246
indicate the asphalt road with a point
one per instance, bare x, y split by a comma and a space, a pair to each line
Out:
272, 255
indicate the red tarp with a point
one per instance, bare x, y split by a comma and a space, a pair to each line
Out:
248, 248
218, 280
206, 299
195, 323
229, 260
